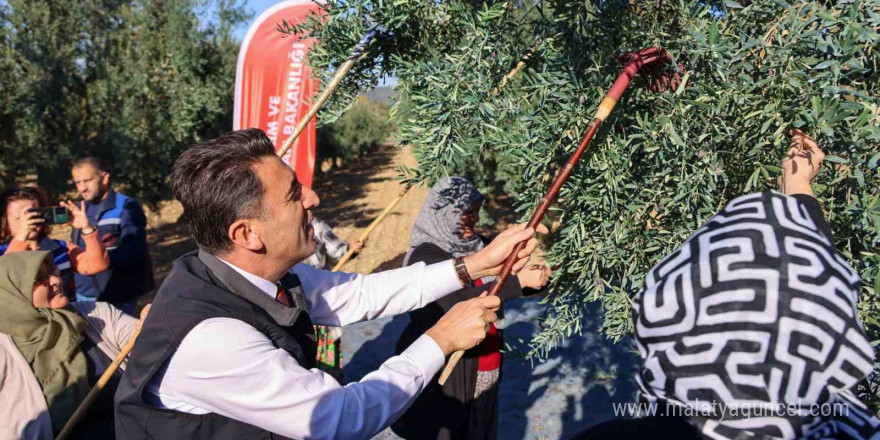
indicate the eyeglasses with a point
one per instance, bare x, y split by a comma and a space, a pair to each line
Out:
43, 276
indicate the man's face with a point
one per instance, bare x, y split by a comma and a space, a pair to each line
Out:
286, 229
90, 183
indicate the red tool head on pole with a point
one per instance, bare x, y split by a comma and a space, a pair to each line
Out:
652, 63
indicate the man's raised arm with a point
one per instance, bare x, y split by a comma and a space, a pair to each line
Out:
339, 299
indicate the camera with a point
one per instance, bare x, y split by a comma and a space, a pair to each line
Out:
53, 215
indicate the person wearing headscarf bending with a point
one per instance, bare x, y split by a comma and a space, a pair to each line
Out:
465, 407
750, 328
52, 351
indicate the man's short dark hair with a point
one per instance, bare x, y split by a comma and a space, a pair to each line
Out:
90, 160
216, 183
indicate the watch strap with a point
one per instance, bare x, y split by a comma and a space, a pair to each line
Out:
461, 271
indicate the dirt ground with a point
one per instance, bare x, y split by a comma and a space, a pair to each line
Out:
351, 198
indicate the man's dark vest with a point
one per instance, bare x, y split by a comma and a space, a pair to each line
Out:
202, 287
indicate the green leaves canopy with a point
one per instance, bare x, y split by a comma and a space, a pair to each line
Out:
133, 82
663, 163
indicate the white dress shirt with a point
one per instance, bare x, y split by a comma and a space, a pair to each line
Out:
225, 366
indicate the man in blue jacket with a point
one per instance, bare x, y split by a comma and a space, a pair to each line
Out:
122, 226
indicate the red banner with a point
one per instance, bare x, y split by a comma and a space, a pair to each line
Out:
273, 84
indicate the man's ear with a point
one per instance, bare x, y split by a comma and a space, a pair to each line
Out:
242, 234
105, 178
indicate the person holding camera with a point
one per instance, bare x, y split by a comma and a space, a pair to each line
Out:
22, 228
122, 227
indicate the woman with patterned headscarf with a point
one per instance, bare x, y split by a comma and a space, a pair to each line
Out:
750, 329
52, 351
466, 406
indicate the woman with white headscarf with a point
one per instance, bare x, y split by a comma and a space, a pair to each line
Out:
466, 406
750, 329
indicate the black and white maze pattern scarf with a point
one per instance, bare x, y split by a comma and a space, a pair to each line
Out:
749, 329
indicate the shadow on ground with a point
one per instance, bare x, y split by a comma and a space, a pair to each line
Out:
395, 262
573, 390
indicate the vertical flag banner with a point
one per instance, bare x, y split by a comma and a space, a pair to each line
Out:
273, 84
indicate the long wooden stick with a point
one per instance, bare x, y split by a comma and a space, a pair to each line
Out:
356, 54
337, 78
372, 226
635, 63
83, 408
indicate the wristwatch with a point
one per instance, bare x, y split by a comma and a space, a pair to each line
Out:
91, 230
461, 271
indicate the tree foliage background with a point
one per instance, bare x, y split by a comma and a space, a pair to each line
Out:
360, 130
132, 82
663, 163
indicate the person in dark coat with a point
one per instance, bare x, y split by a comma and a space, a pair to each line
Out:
466, 406
228, 351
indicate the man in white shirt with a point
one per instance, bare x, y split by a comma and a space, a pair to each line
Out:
228, 350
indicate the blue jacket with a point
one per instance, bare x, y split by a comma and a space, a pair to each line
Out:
122, 227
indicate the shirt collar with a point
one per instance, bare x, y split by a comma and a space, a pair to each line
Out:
265, 286
107, 203
232, 279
